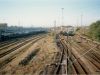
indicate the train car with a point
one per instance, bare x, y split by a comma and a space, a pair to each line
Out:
68, 31
8, 36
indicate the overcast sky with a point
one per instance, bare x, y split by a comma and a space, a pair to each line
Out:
43, 12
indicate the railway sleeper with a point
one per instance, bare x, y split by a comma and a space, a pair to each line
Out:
70, 68
86, 66
77, 65
94, 66
13, 49
93, 61
53, 67
7, 61
92, 55
96, 55
73, 69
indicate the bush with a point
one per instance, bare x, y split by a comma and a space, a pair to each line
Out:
94, 31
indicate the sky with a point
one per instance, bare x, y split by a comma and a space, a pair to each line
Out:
43, 13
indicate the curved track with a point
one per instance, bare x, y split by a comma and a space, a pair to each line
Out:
74, 58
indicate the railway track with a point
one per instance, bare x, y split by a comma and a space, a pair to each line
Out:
11, 54
9, 43
95, 52
15, 46
2, 44
80, 59
82, 55
72, 57
59, 65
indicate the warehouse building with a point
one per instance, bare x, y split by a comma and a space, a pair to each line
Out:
3, 27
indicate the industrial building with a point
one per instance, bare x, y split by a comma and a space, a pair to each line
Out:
3, 27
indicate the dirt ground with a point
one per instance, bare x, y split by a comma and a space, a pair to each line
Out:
46, 51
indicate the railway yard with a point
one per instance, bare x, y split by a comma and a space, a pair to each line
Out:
50, 37
76, 56
48, 54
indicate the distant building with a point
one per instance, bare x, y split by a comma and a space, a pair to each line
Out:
3, 26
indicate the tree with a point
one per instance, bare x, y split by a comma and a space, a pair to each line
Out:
94, 30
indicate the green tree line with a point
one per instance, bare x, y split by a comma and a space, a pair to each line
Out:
94, 30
